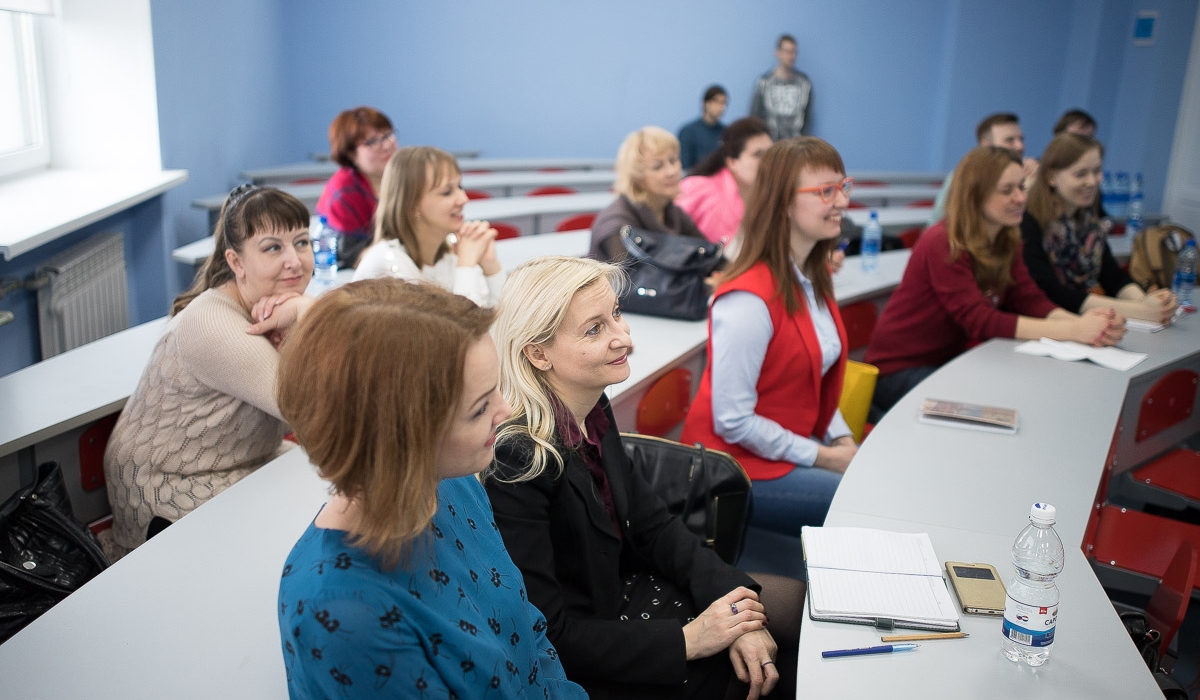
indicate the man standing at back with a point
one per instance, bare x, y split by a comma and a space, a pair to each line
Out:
1002, 129
699, 138
783, 95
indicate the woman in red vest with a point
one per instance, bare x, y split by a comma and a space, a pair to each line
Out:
777, 348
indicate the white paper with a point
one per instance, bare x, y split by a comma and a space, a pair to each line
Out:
1069, 350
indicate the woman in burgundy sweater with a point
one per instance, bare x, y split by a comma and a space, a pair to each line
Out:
966, 283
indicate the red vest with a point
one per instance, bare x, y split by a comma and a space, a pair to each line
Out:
791, 390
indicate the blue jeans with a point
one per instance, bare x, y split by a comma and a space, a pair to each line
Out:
800, 497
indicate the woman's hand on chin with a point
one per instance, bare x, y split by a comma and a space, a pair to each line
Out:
273, 316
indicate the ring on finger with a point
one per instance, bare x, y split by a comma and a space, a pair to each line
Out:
768, 663
733, 607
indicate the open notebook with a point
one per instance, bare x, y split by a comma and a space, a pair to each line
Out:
875, 577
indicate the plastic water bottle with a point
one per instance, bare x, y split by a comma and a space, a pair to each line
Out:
325, 244
1106, 193
872, 241
1031, 609
1120, 199
1133, 217
1185, 275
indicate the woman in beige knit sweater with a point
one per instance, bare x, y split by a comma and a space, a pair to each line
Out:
203, 415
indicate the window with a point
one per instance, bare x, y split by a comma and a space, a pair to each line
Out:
23, 142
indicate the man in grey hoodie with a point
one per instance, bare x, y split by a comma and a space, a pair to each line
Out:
783, 95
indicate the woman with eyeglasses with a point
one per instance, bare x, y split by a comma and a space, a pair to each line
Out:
360, 140
777, 347
966, 283
1066, 247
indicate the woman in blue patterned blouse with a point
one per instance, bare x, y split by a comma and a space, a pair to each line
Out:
401, 586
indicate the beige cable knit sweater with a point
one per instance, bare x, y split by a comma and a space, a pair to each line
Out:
202, 417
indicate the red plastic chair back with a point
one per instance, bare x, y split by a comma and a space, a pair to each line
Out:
856, 205
576, 223
665, 405
549, 190
921, 203
909, 237
1169, 603
92, 444
506, 231
478, 194
870, 183
1168, 403
859, 319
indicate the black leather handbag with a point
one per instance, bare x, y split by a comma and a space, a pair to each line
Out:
44, 554
668, 273
707, 488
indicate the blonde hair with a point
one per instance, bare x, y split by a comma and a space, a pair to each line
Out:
411, 172
636, 149
535, 301
974, 181
369, 381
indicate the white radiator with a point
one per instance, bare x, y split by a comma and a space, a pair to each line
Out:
86, 297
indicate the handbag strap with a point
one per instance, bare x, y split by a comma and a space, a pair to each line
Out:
637, 253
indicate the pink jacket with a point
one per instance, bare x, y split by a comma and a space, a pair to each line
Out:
714, 204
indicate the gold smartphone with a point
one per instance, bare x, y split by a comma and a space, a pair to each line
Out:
979, 589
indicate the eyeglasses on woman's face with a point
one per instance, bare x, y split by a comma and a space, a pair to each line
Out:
379, 141
829, 191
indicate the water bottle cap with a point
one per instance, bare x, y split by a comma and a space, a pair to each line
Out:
1043, 513
874, 214
323, 220
1191, 243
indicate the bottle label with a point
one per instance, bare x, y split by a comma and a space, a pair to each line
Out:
1031, 625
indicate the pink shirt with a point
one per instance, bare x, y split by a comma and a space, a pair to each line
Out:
714, 203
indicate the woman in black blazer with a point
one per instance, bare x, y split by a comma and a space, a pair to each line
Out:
636, 606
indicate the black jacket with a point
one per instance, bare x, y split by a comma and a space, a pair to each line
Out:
557, 531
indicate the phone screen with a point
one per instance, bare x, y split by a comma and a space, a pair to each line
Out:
973, 572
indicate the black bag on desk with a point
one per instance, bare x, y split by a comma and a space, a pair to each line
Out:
44, 554
667, 273
708, 489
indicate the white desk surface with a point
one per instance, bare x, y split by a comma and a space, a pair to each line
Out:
313, 169
870, 193
892, 217
75, 388
899, 176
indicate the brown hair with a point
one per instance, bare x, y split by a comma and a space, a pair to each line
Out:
766, 230
411, 172
1064, 151
248, 211
733, 142
974, 181
984, 129
1070, 118
350, 128
374, 426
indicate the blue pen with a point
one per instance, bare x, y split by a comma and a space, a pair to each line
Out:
884, 649
843, 244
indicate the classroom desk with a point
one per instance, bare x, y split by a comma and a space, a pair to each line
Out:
884, 195
312, 169
972, 491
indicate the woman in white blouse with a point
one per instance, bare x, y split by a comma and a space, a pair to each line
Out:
420, 206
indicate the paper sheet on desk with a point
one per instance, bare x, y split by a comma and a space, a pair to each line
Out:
1112, 358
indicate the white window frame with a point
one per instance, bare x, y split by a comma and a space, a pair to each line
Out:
36, 155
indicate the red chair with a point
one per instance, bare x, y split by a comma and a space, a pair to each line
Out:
1171, 480
92, 444
504, 231
920, 203
859, 319
1169, 603
870, 183
578, 222
856, 205
549, 190
665, 405
909, 237
478, 194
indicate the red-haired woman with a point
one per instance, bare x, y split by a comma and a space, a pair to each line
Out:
360, 140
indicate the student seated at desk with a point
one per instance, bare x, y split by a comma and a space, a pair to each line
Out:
204, 415
777, 347
715, 192
421, 205
1066, 243
360, 140
597, 546
401, 587
966, 283
648, 172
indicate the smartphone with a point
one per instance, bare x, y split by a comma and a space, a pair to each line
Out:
979, 589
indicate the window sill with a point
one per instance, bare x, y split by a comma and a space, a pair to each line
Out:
44, 206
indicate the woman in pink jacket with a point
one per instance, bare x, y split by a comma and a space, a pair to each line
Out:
715, 192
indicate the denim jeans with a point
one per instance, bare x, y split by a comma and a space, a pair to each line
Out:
800, 497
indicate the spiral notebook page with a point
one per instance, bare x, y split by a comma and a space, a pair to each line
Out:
923, 598
867, 549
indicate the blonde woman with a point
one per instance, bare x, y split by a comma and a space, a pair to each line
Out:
401, 587
420, 206
648, 175
637, 607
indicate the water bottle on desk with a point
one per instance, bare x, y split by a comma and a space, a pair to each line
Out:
1120, 198
872, 241
1185, 275
1106, 193
325, 243
1031, 608
1133, 217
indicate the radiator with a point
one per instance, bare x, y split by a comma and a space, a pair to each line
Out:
86, 297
